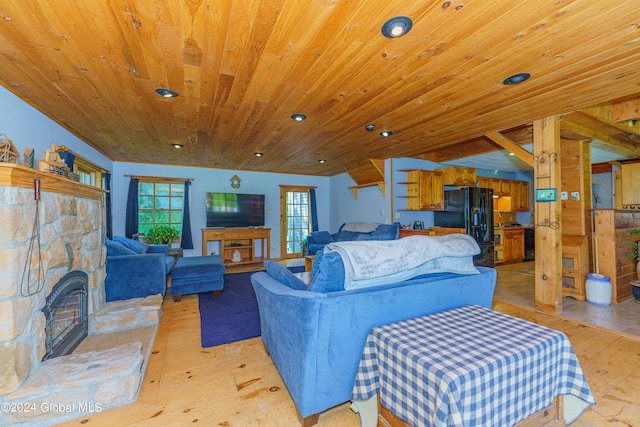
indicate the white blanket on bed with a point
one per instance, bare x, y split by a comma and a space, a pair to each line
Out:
376, 262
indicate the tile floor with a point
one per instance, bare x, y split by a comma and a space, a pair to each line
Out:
516, 286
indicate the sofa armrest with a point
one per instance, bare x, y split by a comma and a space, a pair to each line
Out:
135, 276
158, 249
289, 330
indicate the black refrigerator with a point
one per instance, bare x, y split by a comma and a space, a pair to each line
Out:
470, 208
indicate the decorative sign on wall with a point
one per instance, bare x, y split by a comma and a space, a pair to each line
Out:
546, 194
235, 181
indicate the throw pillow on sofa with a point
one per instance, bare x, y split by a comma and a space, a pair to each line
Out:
135, 245
115, 249
284, 275
329, 275
322, 237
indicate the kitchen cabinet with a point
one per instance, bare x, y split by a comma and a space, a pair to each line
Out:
612, 245
630, 185
513, 244
519, 196
432, 190
575, 263
498, 246
484, 182
515, 199
455, 175
501, 187
425, 190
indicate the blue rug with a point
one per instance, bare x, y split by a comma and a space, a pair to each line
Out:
232, 316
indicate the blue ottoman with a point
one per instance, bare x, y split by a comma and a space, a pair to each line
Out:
192, 275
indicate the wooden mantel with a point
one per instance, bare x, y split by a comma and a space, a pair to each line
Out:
13, 175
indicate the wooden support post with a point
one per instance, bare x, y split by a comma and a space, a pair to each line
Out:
548, 280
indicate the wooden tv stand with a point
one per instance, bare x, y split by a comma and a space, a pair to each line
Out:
238, 239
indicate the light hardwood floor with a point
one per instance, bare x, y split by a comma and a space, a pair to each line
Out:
238, 385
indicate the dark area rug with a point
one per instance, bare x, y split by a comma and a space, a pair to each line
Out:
232, 316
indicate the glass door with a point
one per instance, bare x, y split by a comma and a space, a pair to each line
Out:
295, 220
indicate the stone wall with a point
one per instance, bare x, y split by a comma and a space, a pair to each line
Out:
69, 236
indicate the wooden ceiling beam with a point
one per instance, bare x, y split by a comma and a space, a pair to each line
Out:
625, 110
604, 113
514, 148
453, 152
590, 127
473, 147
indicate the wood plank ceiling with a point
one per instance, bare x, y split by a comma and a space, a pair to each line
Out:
242, 68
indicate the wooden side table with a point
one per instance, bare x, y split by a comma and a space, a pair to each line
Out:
308, 262
304, 276
177, 253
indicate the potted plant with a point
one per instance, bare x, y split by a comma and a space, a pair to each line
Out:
303, 245
161, 235
634, 254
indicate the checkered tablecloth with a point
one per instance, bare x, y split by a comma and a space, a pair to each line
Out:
469, 366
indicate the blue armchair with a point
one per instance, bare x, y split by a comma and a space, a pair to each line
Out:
136, 269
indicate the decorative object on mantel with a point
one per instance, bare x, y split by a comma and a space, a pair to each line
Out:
367, 173
52, 163
28, 157
66, 156
235, 181
8, 152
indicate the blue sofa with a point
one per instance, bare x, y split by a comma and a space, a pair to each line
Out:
316, 338
136, 269
318, 239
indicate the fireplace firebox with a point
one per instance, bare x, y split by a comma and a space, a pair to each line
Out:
66, 314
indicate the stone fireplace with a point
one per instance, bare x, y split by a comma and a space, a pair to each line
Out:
66, 315
41, 242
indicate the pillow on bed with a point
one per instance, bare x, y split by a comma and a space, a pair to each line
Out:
329, 276
283, 275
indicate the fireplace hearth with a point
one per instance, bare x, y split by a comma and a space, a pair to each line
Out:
66, 315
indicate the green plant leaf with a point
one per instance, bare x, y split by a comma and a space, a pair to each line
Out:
162, 234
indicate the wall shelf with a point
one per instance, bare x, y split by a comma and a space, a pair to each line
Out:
367, 173
381, 185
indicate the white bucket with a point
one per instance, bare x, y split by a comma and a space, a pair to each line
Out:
598, 289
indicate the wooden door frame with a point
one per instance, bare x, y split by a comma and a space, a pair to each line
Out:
284, 189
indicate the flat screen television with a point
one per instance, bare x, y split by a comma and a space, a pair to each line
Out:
235, 210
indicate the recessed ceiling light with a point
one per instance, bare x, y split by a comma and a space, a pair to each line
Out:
321, 161
166, 93
258, 154
512, 154
386, 133
516, 78
396, 27
370, 127
177, 145
298, 117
